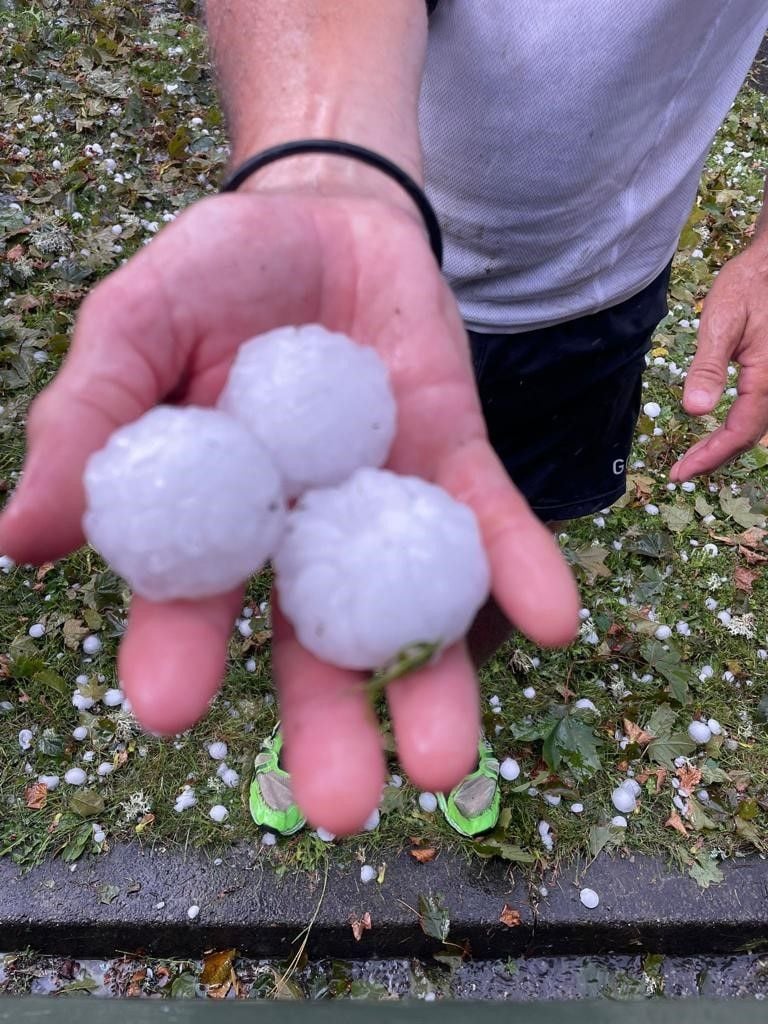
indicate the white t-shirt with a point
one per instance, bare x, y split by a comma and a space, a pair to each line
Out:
564, 141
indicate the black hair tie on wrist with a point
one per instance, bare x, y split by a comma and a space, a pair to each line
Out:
334, 147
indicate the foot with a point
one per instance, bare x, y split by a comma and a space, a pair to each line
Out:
473, 806
271, 797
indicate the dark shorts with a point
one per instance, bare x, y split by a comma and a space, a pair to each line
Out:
561, 403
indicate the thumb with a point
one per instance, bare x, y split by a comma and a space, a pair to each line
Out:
120, 365
721, 329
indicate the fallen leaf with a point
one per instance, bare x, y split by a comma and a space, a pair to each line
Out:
360, 925
676, 822
433, 917
217, 967
136, 983
423, 856
743, 578
221, 991
36, 795
43, 571
636, 734
750, 556
641, 486
689, 777
510, 917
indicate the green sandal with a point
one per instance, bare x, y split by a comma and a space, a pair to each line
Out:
473, 806
271, 797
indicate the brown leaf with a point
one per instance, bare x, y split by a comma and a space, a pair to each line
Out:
36, 795
136, 983
689, 777
5, 666
661, 778
423, 856
641, 487
510, 917
43, 571
636, 734
744, 578
676, 822
217, 967
751, 557
360, 925
221, 991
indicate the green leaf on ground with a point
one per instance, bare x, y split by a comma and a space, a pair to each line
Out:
665, 659
705, 871
433, 916
677, 517
572, 742
738, 509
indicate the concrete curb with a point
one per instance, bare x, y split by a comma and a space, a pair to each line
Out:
643, 906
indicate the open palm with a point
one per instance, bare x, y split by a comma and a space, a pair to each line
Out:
166, 328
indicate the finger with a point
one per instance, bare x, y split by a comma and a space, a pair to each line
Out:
332, 742
436, 721
745, 424
172, 659
119, 366
722, 326
531, 580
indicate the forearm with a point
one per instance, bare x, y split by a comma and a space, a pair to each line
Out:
345, 69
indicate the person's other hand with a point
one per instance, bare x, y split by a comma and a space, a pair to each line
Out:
166, 328
734, 326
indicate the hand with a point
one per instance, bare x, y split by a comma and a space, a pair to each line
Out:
167, 326
734, 326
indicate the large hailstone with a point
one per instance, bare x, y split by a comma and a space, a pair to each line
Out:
320, 404
379, 564
183, 503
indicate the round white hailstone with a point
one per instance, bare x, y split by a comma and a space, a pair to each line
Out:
75, 776
113, 698
762, 653
683, 628
230, 778
192, 912
651, 509
623, 800
25, 739
250, 665
269, 839
431, 572
552, 799
589, 898
577, 808
244, 628
218, 813
217, 750
619, 821
428, 802
92, 644
49, 781
89, 755
584, 614
700, 732
509, 769
663, 633
529, 693
703, 795
81, 680
714, 726
99, 836
706, 673
320, 403
396, 781
82, 703
324, 835
185, 800
6, 564
79, 733
183, 503
688, 486
105, 768
545, 834
37, 630
652, 410
585, 704
372, 821
367, 874
632, 787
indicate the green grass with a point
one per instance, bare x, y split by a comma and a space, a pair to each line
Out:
103, 73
